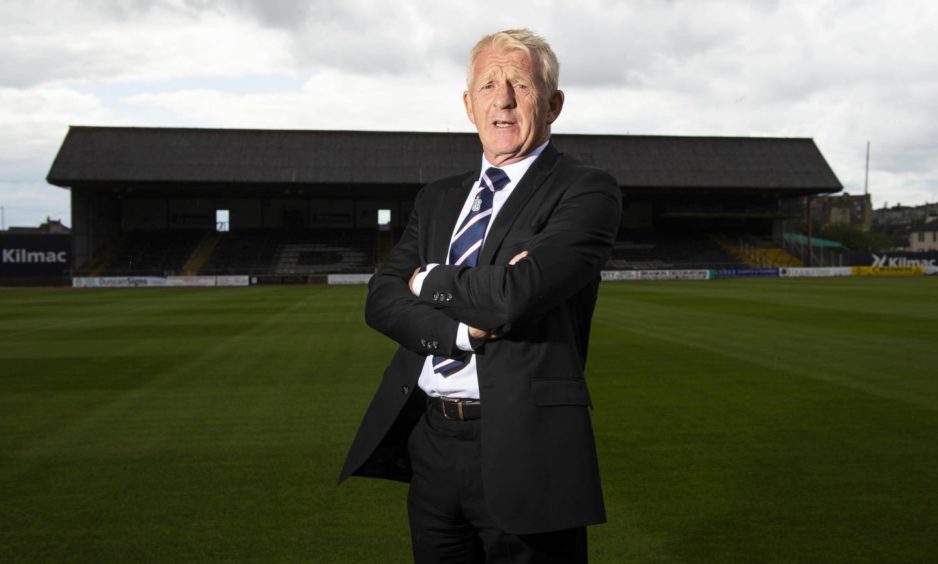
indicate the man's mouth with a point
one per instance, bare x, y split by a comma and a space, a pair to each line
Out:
500, 124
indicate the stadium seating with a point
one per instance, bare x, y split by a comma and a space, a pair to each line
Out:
293, 252
306, 252
327, 251
243, 252
764, 253
670, 252
161, 253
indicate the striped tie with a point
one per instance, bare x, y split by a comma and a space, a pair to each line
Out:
467, 242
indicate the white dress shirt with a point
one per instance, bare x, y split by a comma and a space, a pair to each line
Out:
465, 382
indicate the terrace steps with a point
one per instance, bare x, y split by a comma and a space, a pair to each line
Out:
760, 254
201, 254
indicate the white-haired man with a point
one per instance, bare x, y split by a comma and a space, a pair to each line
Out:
490, 293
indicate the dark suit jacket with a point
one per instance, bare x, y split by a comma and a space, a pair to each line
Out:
540, 471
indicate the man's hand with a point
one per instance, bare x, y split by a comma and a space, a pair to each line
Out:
482, 334
410, 283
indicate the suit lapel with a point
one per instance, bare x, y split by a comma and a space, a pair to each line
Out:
446, 215
532, 180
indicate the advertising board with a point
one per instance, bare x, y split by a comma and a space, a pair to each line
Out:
158, 281
34, 254
232, 281
612, 275
895, 259
888, 270
745, 273
346, 279
118, 282
816, 272
190, 281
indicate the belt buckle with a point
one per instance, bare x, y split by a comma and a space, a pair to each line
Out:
452, 401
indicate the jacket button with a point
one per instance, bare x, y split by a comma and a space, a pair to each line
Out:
435, 344
405, 390
423, 343
436, 296
449, 297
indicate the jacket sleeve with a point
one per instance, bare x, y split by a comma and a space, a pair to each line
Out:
564, 256
393, 310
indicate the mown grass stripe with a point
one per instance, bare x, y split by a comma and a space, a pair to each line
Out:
736, 421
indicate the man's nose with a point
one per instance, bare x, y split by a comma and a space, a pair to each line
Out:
505, 96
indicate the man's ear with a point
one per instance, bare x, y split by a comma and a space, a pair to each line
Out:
467, 101
554, 106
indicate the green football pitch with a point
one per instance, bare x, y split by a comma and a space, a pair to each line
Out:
737, 421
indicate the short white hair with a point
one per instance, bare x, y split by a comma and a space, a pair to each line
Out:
524, 40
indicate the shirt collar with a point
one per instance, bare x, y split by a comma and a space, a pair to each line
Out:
515, 171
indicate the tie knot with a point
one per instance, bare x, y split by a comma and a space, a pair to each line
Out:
495, 179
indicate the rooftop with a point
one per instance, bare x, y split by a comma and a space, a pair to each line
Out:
92, 155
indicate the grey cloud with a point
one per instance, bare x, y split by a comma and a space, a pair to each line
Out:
286, 14
41, 42
27, 66
101, 42
841, 70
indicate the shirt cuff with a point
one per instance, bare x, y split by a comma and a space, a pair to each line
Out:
463, 342
418, 280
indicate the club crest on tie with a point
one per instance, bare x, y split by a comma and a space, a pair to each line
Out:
477, 204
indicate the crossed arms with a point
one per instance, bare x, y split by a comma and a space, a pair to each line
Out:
576, 225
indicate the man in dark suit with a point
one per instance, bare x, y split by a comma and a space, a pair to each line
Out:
490, 292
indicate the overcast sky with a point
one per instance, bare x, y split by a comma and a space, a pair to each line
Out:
839, 71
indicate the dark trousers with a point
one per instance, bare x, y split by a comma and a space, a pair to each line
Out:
449, 519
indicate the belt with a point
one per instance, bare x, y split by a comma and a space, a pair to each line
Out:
456, 409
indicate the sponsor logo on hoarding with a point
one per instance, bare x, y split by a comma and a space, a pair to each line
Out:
886, 260
608, 275
817, 272
24, 256
745, 272
888, 270
348, 278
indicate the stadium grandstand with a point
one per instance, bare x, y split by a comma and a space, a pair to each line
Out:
287, 205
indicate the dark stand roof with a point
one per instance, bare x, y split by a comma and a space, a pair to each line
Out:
91, 155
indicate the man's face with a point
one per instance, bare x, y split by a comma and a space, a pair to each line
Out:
510, 105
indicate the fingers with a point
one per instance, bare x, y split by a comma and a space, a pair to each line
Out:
478, 333
482, 334
514, 260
